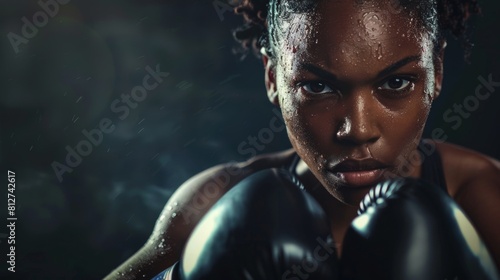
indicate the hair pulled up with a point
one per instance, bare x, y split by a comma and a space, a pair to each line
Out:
452, 16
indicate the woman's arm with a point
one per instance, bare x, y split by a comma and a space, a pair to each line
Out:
480, 199
180, 215
474, 183
184, 210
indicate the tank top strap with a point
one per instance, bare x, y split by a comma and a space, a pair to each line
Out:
432, 168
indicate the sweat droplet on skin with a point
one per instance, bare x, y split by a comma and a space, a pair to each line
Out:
379, 51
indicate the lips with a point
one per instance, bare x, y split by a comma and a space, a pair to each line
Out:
358, 173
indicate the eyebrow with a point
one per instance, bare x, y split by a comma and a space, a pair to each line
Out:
389, 69
398, 64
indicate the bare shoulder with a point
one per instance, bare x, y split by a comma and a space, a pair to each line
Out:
189, 203
196, 196
465, 168
474, 183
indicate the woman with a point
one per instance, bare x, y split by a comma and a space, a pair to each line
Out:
355, 81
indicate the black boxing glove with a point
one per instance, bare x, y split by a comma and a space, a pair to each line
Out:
408, 229
266, 227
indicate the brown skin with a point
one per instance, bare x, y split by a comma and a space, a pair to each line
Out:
358, 114
336, 100
190, 204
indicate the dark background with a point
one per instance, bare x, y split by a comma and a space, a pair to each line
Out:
65, 78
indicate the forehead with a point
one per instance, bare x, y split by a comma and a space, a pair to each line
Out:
354, 33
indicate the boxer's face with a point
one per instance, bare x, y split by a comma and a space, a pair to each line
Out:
355, 83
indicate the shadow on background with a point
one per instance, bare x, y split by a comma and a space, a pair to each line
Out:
63, 82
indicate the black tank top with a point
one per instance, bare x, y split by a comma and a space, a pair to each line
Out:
432, 170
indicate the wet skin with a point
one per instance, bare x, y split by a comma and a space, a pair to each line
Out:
355, 85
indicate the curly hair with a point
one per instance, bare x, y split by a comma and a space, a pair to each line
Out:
452, 16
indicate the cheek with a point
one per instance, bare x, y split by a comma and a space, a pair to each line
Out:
404, 134
302, 119
414, 114
311, 128
295, 117
407, 123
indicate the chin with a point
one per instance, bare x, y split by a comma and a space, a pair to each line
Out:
352, 196
348, 195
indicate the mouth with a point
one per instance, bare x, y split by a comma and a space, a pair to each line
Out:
358, 173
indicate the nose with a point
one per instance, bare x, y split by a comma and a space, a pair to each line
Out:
359, 122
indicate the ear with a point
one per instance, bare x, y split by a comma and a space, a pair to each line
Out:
270, 79
438, 68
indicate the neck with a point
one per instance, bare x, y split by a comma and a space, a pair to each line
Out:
340, 215
333, 207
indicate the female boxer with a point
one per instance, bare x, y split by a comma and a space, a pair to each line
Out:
355, 81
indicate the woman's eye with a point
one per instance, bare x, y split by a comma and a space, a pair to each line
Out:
396, 84
316, 87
